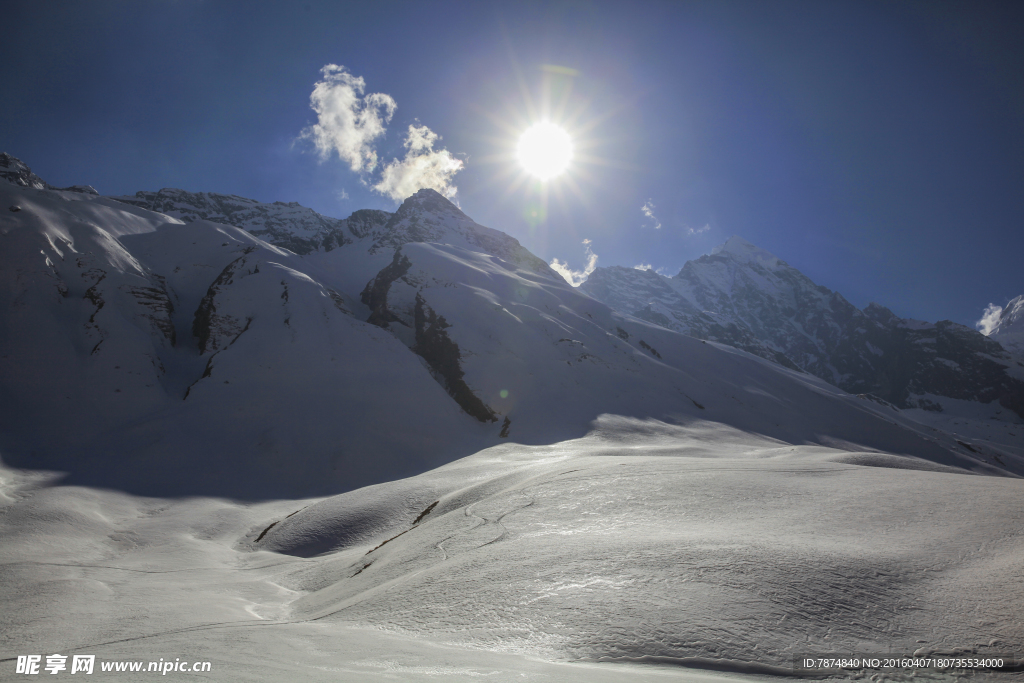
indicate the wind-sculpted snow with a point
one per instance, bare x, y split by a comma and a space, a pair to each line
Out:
625, 546
645, 543
748, 298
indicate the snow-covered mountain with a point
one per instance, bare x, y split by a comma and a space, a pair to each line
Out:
747, 297
291, 226
163, 347
1009, 328
173, 341
16, 172
558, 490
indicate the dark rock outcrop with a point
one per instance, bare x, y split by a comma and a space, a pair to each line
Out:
443, 356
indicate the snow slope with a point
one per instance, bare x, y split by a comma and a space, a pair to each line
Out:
144, 353
645, 551
545, 360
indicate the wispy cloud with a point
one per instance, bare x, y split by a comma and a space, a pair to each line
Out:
660, 271
341, 195
989, 319
648, 210
422, 167
348, 122
576, 277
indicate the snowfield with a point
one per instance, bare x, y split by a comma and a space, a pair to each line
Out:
415, 453
659, 552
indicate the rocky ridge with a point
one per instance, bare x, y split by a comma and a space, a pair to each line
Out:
17, 172
424, 217
747, 297
289, 225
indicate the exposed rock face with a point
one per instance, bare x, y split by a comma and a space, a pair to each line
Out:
213, 330
160, 305
943, 359
15, 171
375, 295
746, 297
444, 357
407, 315
363, 222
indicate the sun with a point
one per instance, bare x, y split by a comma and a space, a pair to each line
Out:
545, 150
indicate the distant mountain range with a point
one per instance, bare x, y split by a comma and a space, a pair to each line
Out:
746, 297
194, 343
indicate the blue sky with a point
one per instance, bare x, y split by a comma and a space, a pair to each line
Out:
877, 147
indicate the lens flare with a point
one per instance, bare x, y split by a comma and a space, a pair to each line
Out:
545, 150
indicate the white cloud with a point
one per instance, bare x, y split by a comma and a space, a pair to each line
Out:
348, 122
341, 195
660, 271
422, 167
576, 277
989, 319
648, 210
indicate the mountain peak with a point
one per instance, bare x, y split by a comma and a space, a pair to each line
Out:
739, 249
1009, 329
431, 201
1012, 316
16, 171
